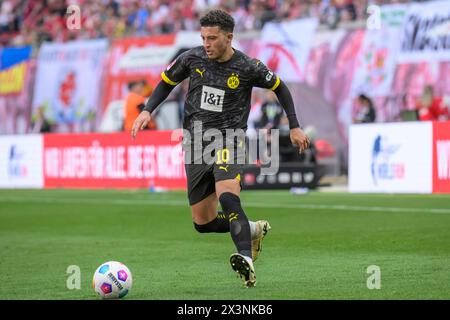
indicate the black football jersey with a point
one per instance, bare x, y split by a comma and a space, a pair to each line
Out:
219, 94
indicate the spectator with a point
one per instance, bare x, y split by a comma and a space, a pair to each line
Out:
346, 9
32, 22
330, 14
6, 16
430, 107
135, 102
159, 21
366, 111
271, 112
40, 123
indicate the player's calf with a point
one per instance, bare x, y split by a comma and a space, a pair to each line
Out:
239, 225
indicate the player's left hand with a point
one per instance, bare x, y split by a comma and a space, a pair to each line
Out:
299, 139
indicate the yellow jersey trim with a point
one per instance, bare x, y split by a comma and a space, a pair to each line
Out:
167, 80
277, 83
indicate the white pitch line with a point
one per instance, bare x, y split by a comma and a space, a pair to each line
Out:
184, 203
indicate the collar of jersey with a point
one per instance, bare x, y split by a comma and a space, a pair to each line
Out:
228, 61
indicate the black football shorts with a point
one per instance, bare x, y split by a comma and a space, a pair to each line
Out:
202, 177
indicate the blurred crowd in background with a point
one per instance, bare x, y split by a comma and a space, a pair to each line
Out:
340, 73
24, 22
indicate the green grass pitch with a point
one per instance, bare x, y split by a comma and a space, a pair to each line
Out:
320, 245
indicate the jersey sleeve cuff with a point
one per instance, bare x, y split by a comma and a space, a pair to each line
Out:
293, 122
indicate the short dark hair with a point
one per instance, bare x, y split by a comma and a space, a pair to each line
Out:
365, 98
134, 83
131, 84
218, 18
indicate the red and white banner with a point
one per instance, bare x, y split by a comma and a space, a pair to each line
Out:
113, 161
441, 157
318, 67
136, 59
383, 158
66, 80
376, 60
341, 77
283, 51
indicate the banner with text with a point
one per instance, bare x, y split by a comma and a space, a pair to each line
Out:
113, 161
426, 33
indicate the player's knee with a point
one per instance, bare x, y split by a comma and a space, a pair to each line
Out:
229, 200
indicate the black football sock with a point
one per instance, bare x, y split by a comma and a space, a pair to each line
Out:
220, 224
239, 226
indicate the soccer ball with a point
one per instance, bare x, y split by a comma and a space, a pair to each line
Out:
112, 280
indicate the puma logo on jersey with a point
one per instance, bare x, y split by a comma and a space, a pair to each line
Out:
200, 72
224, 168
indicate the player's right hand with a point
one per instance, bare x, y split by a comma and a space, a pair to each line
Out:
140, 123
299, 139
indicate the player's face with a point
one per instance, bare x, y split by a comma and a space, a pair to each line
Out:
215, 41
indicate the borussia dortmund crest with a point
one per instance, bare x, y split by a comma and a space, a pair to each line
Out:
233, 81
